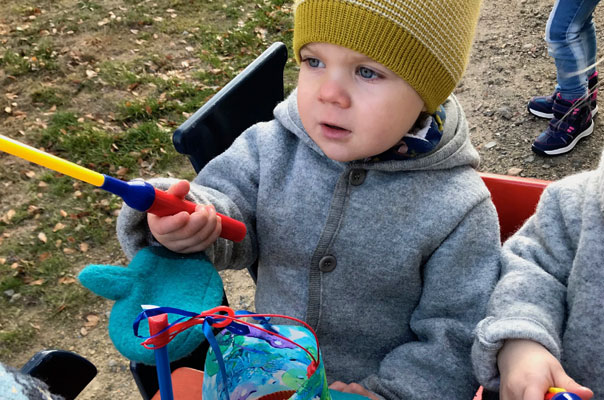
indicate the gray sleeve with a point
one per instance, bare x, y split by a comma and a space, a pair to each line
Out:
529, 302
229, 183
458, 279
132, 230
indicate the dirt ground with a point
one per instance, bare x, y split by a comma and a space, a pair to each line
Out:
509, 64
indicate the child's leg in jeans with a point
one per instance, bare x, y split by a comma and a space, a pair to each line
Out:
571, 39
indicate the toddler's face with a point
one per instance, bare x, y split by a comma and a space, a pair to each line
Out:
350, 105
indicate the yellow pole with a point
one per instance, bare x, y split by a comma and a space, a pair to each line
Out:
55, 163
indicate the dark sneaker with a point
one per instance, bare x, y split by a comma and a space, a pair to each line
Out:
572, 122
541, 106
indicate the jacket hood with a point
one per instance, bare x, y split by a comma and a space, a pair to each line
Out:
454, 149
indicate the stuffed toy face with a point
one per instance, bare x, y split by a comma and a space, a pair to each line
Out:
158, 277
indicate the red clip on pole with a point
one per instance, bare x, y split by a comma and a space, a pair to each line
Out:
162, 361
168, 204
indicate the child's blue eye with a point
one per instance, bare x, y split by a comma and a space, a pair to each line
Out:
314, 62
367, 73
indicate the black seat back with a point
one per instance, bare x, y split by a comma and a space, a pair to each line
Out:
247, 99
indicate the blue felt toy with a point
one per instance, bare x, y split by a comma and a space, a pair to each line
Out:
155, 276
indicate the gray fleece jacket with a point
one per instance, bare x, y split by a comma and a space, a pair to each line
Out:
392, 263
551, 285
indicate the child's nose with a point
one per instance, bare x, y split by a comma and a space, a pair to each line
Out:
333, 91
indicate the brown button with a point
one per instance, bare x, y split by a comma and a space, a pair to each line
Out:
357, 177
327, 263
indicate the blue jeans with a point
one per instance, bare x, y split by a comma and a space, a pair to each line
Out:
571, 38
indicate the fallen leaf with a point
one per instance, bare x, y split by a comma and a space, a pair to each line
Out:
67, 280
37, 282
68, 250
9, 215
30, 174
2, 260
35, 326
84, 331
84, 247
58, 227
92, 320
122, 171
63, 213
90, 73
44, 256
42, 237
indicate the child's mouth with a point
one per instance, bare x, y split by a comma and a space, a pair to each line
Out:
334, 131
334, 127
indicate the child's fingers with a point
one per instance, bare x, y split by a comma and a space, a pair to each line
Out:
179, 189
564, 381
161, 226
207, 242
339, 386
210, 227
201, 231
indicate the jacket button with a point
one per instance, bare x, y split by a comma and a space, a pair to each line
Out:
327, 264
357, 177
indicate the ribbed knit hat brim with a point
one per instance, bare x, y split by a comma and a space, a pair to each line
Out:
427, 43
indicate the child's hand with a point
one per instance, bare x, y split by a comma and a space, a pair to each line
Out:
352, 388
528, 370
184, 232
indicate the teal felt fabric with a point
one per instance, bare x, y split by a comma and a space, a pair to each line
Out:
335, 395
159, 277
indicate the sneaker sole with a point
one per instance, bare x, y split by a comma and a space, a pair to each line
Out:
568, 148
540, 114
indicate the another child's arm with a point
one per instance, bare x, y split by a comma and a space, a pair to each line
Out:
183, 232
530, 300
527, 371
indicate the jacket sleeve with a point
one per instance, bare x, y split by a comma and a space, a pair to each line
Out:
457, 280
229, 182
529, 302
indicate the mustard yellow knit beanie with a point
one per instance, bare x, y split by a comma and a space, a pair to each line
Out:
425, 42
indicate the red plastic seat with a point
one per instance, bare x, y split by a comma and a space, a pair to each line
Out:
186, 384
515, 199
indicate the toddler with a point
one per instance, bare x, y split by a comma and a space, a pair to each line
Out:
364, 210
